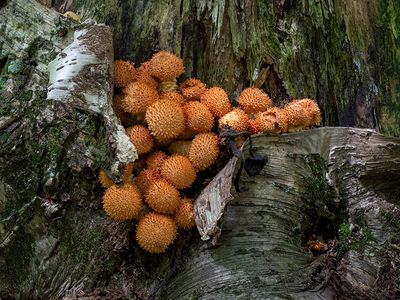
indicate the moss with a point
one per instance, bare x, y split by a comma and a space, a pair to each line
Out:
391, 222
356, 239
17, 258
322, 214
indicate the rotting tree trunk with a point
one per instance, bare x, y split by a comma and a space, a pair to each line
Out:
345, 54
55, 240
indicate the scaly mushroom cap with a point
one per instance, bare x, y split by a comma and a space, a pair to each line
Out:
217, 101
180, 147
122, 203
138, 97
254, 128
173, 96
297, 116
118, 110
253, 100
198, 117
124, 73
179, 171
312, 109
155, 232
146, 178
236, 119
166, 66
104, 180
272, 120
166, 119
184, 216
155, 160
143, 75
140, 136
163, 197
192, 89
204, 150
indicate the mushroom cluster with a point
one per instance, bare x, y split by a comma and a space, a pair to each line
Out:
174, 128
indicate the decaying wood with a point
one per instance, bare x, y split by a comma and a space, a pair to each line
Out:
57, 243
259, 255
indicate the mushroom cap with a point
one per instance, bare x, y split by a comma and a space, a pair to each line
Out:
198, 117
204, 150
146, 178
173, 96
272, 120
253, 100
179, 171
118, 109
192, 89
166, 66
166, 119
184, 216
140, 136
297, 116
312, 109
236, 119
155, 232
163, 197
217, 101
104, 180
138, 97
122, 203
143, 75
155, 160
254, 128
180, 147
124, 73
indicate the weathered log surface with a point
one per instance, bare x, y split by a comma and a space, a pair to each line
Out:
315, 180
56, 242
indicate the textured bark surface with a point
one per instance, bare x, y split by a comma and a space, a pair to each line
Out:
56, 242
345, 54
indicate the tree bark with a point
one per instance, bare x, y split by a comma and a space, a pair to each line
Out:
57, 128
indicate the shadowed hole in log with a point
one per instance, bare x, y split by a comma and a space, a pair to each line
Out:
322, 211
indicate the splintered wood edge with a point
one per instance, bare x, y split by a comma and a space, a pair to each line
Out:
209, 206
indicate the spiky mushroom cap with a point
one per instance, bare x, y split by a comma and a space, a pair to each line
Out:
143, 75
274, 120
163, 197
138, 97
297, 116
155, 160
204, 150
146, 178
198, 117
166, 66
118, 109
124, 73
217, 101
166, 119
184, 216
254, 128
173, 96
312, 109
155, 232
180, 147
104, 180
122, 203
253, 100
179, 171
192, 89
236, 119
140, 137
